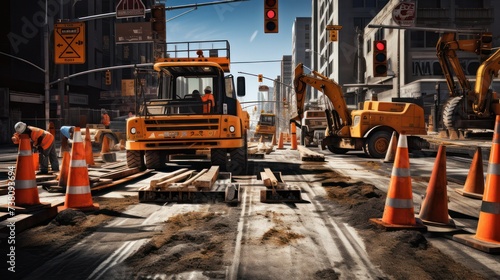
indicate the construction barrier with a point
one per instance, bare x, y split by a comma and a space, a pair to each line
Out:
487, 237
25, 179
78, 194
474, 184
434, 209
398, 210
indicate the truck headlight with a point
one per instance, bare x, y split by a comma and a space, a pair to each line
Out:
231, 128
356, 120
133, 130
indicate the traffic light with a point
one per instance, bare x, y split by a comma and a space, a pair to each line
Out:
158, 22
379, 58
108, 77
260, 78
270, 16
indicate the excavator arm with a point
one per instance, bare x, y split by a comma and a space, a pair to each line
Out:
331, 89
447, 56
485, 73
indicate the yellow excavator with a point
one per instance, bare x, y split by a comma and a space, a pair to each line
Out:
369, 129
468, 107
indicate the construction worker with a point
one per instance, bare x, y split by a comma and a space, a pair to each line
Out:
207, 108
105, 118
41, 140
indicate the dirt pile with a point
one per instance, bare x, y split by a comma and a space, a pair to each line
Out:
400, 254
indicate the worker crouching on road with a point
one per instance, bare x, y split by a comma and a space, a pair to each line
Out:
43, 141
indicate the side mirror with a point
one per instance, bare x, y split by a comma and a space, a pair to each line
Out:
240, 87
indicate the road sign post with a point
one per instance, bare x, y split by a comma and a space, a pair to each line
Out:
69, 43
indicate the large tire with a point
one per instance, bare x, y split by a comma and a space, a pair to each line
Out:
303, 132
237, 164
378, 143
451, 112
155, 159
135, 159
218, 157
338, 151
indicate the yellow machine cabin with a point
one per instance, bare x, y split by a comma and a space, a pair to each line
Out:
369, 129
196, 109
266, 127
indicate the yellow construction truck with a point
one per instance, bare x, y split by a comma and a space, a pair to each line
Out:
369, 129
182, 120
266, 127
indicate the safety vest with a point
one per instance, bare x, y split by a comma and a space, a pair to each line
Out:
41, 137
205, 98
105, 119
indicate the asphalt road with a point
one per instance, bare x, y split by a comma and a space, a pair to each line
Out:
328, 242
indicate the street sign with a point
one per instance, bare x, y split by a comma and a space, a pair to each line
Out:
130, 8
133, 32
69, 43
404, 14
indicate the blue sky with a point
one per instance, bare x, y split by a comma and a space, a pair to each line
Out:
241, 23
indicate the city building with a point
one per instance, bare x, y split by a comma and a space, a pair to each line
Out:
32, 48
414, 71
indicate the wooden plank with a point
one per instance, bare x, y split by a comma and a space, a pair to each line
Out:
190, 181
122, 180
121, 173
208, 178
153, 183
268, 178
167, 182
26, 221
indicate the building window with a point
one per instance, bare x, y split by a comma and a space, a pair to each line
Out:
423, 39
469, 4
369, 3
361, 22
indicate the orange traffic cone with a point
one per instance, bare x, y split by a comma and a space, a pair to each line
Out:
280, 141
487, 237
398, 211
78, 190
293, 138
89, 155
105, 145
391, 152
474, 184
63, 175
25, 180
434, 210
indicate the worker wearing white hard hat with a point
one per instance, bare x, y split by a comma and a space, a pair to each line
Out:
208, 100
43, 141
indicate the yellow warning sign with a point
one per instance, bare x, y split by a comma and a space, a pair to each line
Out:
69, 43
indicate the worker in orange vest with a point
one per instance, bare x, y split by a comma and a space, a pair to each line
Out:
207, 106
43, 141
105, 118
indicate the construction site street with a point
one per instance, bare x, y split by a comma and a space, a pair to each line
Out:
328, 235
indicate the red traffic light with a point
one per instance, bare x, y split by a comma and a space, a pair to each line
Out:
379, 45
271, 16
380, 58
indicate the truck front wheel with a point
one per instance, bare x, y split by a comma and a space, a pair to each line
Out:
135, 159
377, 144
